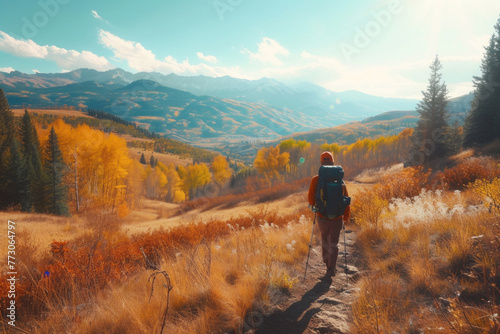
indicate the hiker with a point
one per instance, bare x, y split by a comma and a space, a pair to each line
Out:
330, 227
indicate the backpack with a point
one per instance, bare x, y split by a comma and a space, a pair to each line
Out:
330, 199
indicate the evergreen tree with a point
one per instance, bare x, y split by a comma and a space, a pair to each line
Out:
57, 192
7, 135
30, 147
152, 161
17, 185
7, 124
143, 159
429, 138
482, 125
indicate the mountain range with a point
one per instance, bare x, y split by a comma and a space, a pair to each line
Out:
200, 109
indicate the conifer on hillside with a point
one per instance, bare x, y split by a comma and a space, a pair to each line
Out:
429, 138
57, 193
30, 148
17, 183
482, 125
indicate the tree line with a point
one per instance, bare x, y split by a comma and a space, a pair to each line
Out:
31, 178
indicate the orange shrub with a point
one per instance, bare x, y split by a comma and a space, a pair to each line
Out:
406, 183
467, 171
73, 272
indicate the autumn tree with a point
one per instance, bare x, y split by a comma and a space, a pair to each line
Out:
220, 170
173, 188
429, 138
271, 163
296, 149
197, 176
97, 164
54, 168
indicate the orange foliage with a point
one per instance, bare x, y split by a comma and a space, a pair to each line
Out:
75, 271
407, 183
467, 171
220, 169
98, 165
271, 163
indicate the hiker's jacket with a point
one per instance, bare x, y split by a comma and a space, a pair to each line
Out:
312, 197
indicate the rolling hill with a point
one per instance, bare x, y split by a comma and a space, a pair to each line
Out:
222, 111
178, 114
198, 108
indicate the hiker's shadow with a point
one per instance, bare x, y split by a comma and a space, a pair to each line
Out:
295, 312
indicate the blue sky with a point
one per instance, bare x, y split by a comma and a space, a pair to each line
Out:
379, 47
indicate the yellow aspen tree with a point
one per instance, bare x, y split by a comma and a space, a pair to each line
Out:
220, 169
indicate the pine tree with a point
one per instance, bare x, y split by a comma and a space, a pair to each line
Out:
152, 161
17, 185
57, 192
30, 147
7, 145
482, 125
143, 159
429, 138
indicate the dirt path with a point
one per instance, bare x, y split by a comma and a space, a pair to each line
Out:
316, 306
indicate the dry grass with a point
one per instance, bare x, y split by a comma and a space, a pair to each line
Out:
432, 263
164, 158
42, 228
240, 266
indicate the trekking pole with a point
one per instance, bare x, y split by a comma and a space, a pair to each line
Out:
310, 242
345, 253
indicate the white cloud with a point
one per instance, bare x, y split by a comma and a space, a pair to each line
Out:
144, 60
65, 59
21, 48
96, 15
207, 58
6, 69
307, 67
136, 55
268, 52
99, 17
405, 79
35, 71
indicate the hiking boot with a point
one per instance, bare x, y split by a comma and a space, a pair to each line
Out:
326, 278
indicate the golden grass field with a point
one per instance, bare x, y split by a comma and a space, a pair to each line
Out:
151, 216
164, 158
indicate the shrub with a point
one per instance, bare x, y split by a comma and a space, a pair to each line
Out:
467, 171
489, 191
406, 183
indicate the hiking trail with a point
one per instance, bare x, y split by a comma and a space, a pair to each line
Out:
316, 306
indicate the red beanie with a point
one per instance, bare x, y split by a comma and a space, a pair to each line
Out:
326, 158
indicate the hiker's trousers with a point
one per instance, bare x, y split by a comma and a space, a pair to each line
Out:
330, 233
